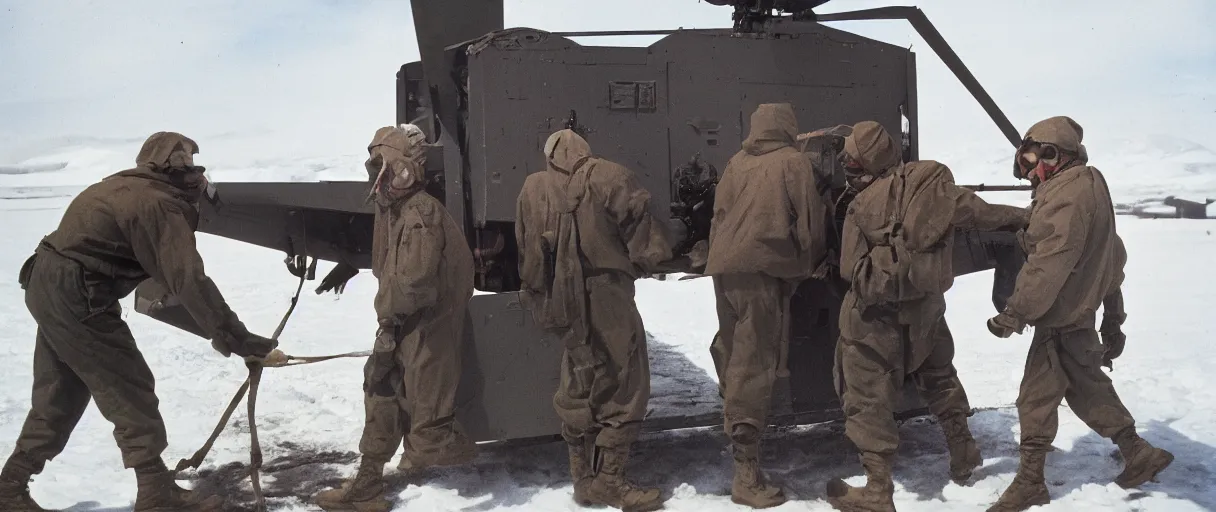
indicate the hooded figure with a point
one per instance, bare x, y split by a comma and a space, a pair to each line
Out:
1074, 265
768, 235
898, 243
425, 270
585, 234
134, 225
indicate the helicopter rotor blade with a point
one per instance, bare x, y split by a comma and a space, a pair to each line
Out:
938, 44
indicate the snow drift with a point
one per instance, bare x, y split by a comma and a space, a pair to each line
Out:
310, 420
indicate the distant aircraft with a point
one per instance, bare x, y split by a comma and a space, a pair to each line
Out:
1183, 209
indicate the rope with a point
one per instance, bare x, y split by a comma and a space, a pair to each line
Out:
276, 359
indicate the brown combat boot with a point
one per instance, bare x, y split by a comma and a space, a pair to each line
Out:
1141, 460
1028, 488
158, 492
581, 452
14, 484
750, 487
878, 495
363, 493
15, 496
964, 452
609, 487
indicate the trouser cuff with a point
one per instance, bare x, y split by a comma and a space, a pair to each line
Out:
21, 466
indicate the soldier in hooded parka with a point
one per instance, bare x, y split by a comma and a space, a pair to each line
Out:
768, 235
585, 234
896, 254
135, 225
1074, 265
425, 273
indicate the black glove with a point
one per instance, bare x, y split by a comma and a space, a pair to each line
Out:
1113, 341
384, 352
250, 345
1004, 325
336, 279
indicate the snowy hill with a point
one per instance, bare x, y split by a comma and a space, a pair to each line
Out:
81, 161
1150, 167
310, 419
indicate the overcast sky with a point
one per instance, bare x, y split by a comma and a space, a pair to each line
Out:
306, 77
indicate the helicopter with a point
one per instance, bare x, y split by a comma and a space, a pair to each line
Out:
674, 112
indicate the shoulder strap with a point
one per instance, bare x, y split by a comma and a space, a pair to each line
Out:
899, 191
574, 199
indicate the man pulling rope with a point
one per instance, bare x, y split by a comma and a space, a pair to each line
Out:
275, 359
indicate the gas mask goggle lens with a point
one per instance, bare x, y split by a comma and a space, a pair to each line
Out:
391, 180
1038, 160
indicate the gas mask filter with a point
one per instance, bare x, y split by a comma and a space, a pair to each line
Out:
392, 180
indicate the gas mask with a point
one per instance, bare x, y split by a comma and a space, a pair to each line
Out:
181, 159
1038, 161
198, 186
396, 162
192, 179
394, 179
855, 176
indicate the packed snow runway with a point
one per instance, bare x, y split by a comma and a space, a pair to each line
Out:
310, 418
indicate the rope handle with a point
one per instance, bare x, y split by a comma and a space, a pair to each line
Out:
275, 359
270, 362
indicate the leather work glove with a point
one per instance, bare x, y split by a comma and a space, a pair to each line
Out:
251, 345
255, 346
1113, 341
336, 279
383, 353
1004, 325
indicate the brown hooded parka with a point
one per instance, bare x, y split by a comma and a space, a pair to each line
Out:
1074, 264
134, 225
425, 271
884, 338
768, 235
585, 233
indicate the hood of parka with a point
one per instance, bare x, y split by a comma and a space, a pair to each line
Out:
1060, 131
773, 126
391, 163
873, 147
167, 152
566, 150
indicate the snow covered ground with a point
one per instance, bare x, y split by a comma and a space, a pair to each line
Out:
310, 418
